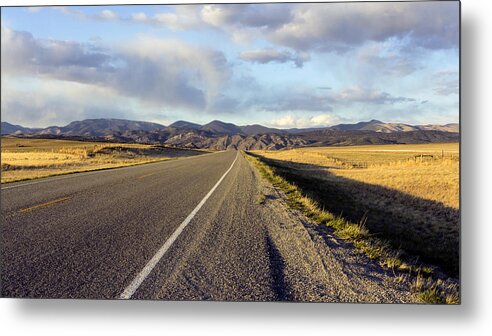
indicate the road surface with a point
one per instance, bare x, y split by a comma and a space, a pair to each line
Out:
187, 229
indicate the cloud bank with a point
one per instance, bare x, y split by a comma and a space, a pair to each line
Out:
156, 71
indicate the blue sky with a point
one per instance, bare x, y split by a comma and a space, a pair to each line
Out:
282, 65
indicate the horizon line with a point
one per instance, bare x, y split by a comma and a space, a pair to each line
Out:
252, 124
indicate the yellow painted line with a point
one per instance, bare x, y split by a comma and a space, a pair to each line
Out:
44, 204
143, 176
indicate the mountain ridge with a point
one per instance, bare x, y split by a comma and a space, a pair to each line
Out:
220, 135
8, 128
100, 127
107, 126
220, 127
185, 124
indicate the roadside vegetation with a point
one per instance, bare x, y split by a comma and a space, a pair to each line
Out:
374, 217
25, 159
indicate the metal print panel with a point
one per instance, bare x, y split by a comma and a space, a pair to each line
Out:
304, 152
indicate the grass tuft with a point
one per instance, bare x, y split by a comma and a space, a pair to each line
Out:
261, 199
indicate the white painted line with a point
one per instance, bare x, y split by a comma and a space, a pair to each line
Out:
109, 170
144, 273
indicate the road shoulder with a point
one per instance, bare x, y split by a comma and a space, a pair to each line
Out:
318, 266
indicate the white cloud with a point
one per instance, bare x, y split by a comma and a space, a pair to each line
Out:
216, 15
103, 15
246, 15
34, 9
46, 102
338, 26
183, 17
156, 71
269, 55
294, 99
291, 121
447, 82
170, 20
388, 58
324, 26
297, 99
141, 17
314, 26
22, 53
363, 95
108, 15
72, 12
172, 69
323, 119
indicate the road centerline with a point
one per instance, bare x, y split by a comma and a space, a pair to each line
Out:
144, 273
45, 204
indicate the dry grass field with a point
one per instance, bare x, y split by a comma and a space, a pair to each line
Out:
25, 159
429, 171
406, 194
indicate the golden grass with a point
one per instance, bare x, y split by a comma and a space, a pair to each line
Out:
294, 184
24, 159
433, 176
409, 193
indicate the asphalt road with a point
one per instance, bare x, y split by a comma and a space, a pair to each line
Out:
187, 229
90, 235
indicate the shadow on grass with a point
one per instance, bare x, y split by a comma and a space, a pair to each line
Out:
422, 228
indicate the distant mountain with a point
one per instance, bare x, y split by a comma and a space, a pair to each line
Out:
205, 139
302, 130
220, 127
187, 138
100, 127
334, 137
376, 126
185, 124
7, 128
356, 127
444, 128
220, 135
259, 129
379, 126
